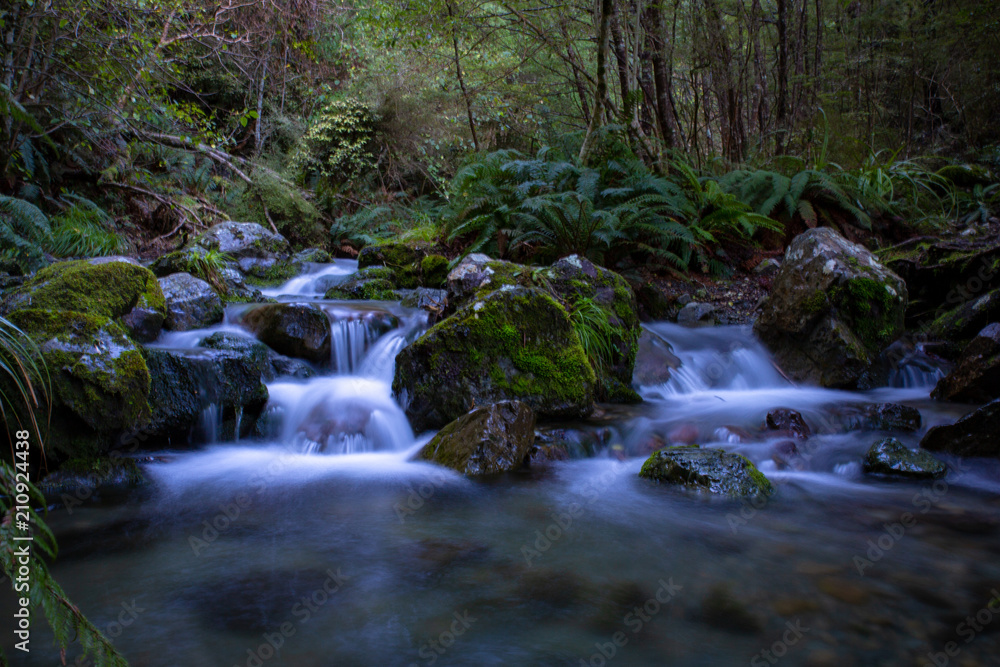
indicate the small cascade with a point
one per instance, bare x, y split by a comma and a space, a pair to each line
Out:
380, 363
340, 415
316, 281
720, 358
211, 422
350, 338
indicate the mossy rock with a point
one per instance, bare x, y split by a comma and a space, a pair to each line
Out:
184, 385
434, 271
966, 175
313, 256
242, 240
574, 279
100, 382
891, 457
477, 275
108, 289
269, 272
295, 330
363, 289
514, 344
832, 310
404, 258
711, 470
486, 441
272, 364
191, 303
84, 478
976, 376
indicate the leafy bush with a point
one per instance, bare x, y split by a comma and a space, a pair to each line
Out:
338, 144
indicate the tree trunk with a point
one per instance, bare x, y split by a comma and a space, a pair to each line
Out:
782, 103
461, 80
604, 21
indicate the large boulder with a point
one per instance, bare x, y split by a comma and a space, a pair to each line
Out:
513, 344
374, 283
579, 283
99, 379
832, 309
486, 441
975, 434
295, 330
891, 457
244, 240
478, 275
191, 303
710, 470
186, 384
976, 376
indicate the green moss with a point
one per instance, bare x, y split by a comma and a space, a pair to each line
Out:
375, 289
111, 289
276, 274
434, 271
872, 311
815, 304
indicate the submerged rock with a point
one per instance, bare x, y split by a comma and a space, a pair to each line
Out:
486, 441
275, 365
833, 308
295, 330
891, 457
975, 434
787, 422
81, 479
706, 469
514, 344
191, 303
976, 376
654, 360
891, 417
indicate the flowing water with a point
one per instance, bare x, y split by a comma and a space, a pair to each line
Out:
323, 544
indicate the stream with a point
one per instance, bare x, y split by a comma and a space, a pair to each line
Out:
322, 544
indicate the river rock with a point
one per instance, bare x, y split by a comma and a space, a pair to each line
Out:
313, 256
654, 360
486, 441
237, 289
976, 376
513, 344
975, 434
832, 309
273, 365
191, 303
891, 457
576, 279
787, 422
706, 469
100, 382
696, 314
242, 240
295, 330
961, 323
477, 274
375, 283
892, 417
185, 384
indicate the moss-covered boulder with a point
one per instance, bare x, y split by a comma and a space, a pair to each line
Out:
513, 344
414, 263
374, 283
295, 330
832, 309
578, 282
313, 256
244, 240
105, 289
486, 441
975, 434
100, 382
891, 457
191, 303
185, 384
976, 376
710, 470
83, 479
958, 325
477, 275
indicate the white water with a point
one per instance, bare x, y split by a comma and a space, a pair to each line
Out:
311, 283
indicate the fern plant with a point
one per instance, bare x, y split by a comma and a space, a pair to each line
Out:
24, 384
24, 231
